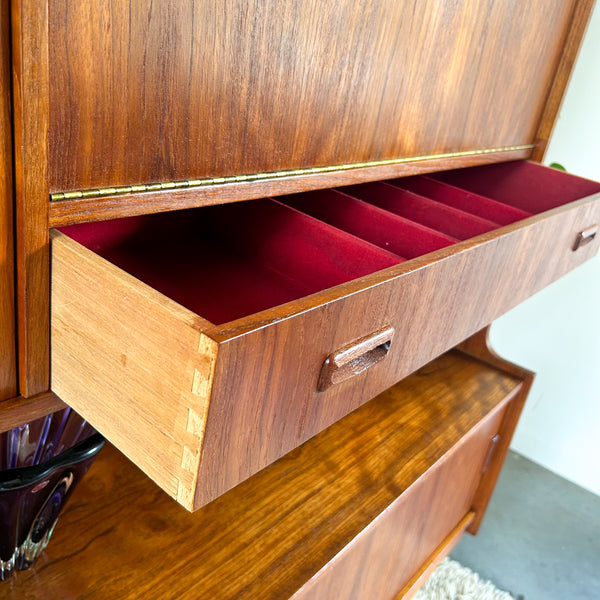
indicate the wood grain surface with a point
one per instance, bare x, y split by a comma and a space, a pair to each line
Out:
410, 457
8, 363
387, 554
169, 91
30, 120
159, 365
18, 411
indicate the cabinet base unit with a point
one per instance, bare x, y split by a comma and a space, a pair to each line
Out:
365, 509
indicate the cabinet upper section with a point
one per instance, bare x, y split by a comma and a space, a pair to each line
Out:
162, 91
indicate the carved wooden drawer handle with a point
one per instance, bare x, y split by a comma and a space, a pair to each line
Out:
355, 358
585, 237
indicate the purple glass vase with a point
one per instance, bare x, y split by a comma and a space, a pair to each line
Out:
42, 462
36, 442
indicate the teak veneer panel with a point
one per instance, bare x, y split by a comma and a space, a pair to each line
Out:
29, 37
8, 366
401, 470
170, 91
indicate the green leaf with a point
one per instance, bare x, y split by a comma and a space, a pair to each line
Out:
558, 166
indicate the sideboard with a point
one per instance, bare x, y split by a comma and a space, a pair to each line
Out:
235, 234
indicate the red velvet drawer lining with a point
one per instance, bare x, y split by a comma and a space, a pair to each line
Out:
226, 262
230, 261
527, 186
368, 222
474, 204
441, 217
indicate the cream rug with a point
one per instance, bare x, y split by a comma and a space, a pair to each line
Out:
452, 581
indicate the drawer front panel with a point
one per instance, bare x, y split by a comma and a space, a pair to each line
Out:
265, 397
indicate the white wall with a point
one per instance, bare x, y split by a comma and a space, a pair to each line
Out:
557, 332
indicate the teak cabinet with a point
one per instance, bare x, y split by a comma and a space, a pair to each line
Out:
232, 350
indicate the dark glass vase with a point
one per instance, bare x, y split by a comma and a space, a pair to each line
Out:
32, 496
38, 441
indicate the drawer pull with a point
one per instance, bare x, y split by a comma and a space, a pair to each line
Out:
585, 237
355, 358
490, 453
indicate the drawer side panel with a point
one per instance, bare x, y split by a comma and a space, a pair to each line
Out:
133, 363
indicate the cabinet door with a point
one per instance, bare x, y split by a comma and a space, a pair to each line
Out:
7, 310
167, 91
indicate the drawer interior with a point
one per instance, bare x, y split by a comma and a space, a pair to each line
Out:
527, 186
227, 262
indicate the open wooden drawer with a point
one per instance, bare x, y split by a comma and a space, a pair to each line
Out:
206, 344
365, 509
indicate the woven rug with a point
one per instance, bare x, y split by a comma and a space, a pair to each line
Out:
452, 581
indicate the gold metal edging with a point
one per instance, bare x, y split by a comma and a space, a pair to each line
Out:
194, 183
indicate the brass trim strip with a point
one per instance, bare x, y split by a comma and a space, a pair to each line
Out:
194, 183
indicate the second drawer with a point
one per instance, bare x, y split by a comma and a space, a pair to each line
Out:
206, 344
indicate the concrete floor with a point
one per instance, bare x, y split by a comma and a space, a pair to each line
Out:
540, 539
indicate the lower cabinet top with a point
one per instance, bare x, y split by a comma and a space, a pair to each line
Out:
353, 513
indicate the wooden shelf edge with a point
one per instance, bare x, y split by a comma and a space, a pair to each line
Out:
69, 212
18, 411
